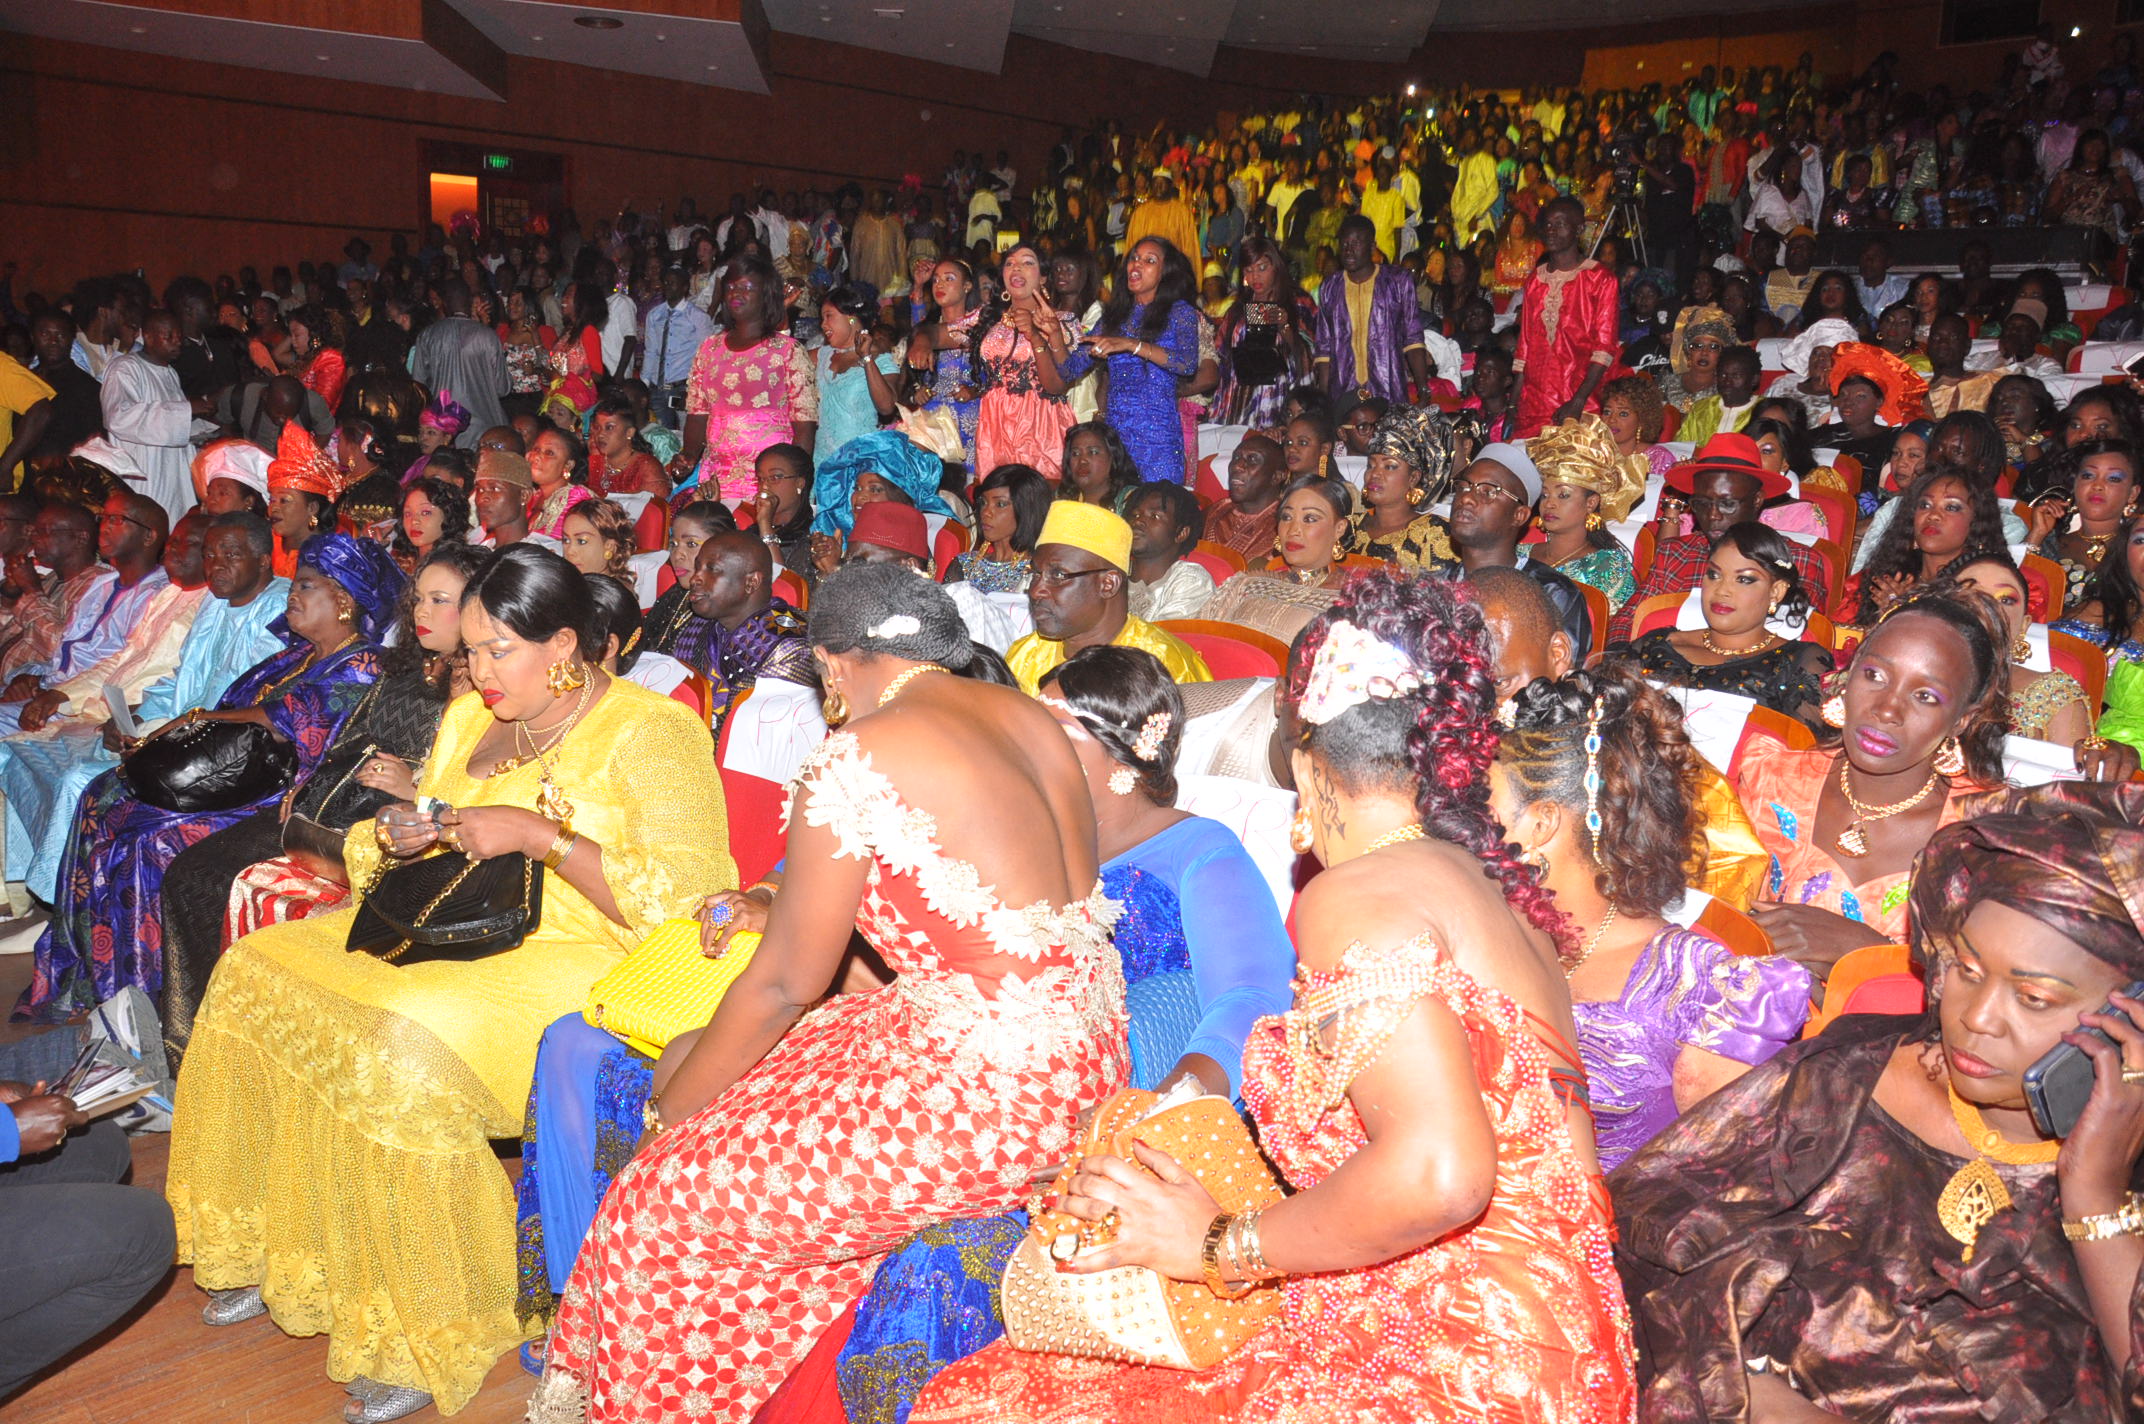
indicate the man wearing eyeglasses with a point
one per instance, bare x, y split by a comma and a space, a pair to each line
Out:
1492, 503
1079, 594
130, 538
61, 538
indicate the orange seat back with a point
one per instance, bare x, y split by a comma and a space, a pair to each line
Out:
1734, 929
1657, 612
1875, 979
2069, 653
752, 806
1229, 649
789, 586
2046, 586
1643, 547
1598, 610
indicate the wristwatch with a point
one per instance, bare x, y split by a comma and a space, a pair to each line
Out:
2127, 1221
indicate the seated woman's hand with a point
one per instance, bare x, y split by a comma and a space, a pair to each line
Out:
1812, 937
391, 774
404, 831
717, 928
2101, 760
487, 832
2102, 1149
1890, 588
1160, 1220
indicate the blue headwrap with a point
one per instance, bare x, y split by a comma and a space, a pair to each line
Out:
891, 456
362, 569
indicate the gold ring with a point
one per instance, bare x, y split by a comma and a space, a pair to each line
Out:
1102, 1232
2133, 1075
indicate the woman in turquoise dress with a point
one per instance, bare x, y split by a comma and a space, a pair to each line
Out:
856, 389
1586, 484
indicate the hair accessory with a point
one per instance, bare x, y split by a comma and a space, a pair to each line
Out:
1151, 733
1353, 667
900, 625
1593, 778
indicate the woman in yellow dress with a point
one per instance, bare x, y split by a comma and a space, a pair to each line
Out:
330, 1158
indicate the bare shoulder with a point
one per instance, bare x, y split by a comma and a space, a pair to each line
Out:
1423, 887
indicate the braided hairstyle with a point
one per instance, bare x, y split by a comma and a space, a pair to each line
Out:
1650, 838
1441, 737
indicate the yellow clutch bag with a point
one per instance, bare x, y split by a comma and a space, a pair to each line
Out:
666, 986
1134, 1314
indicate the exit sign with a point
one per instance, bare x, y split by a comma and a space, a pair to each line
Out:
498, 162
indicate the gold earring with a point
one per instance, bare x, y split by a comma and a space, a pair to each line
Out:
1535, 860
834, 707
563, 677
1122, 781
1595, 521
348, 615
1950, 758
1772, 607
1835, 711
1299, 832
1417, 495
2021, 649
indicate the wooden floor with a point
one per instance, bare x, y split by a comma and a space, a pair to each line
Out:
161, 1365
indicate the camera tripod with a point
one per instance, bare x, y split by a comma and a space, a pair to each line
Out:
1625, 218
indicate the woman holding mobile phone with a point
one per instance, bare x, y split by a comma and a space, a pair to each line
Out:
1942, 1256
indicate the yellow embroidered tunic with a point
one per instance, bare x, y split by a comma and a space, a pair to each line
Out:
331, 1142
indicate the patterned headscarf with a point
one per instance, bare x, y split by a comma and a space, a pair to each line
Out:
445, 413
1693, 323
360, 568
1582, 453
300, 465
2070, 854
1422, 436
891, 456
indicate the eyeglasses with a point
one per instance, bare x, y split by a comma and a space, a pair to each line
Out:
125, 519
1056, 578
1481, 489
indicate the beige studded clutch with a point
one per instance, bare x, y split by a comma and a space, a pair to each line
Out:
1136, 1315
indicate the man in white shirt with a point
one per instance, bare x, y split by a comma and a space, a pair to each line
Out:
621, 328
1165, 525
2017, 345
688, 218
669, 339
149, 417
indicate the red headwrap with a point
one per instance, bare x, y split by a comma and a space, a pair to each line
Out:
299, 465
1905, 390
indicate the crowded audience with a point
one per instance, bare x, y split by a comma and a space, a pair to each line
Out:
831, 813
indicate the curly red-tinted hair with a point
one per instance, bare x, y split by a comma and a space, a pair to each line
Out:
1442, 737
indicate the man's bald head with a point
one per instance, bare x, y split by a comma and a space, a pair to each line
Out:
283, 398
1526, 637
732, 578
144, 510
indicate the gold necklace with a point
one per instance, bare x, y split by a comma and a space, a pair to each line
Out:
1310, 576
1853, 840
1412, 831
299, 671
1592, 944
1975, 1192
522, 736
1704, 636
893, 688
2095, 546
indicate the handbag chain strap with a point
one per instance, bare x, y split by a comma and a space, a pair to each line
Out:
417, 922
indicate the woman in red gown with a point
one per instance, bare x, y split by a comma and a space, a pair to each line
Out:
1446, 1255
795, 1146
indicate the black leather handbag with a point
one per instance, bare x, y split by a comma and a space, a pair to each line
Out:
210, 766
448, 906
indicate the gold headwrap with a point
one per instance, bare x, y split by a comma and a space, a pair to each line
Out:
1696, 321
1582, 453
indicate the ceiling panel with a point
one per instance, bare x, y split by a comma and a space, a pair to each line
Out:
692, 50
404, 63
967, 33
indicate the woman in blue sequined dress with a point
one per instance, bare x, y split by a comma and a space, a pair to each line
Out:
1149, 337
1205, 956
940, 353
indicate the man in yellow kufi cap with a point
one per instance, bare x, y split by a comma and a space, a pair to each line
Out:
1079, 597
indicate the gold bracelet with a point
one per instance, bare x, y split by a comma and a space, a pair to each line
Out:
769, 886
1210, 1260
2128, 1220
561, 847
651, 1114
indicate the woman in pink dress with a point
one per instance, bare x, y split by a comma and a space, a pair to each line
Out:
1024, 414
751, 386
1446, 1255
795, 1147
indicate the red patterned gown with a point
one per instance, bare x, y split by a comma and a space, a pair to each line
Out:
729, 1245
1515, 1319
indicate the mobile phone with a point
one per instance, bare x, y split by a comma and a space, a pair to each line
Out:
2057, 1086
2135, 365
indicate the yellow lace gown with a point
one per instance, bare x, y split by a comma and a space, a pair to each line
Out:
334, 1116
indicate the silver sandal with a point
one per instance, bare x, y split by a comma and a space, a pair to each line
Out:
228, 1307
372, 1402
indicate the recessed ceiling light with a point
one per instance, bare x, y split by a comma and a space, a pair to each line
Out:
712, 68
321, 57
660, 39
599, 22
144, 29
537, 38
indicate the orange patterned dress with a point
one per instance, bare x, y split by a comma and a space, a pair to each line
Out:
728, 1246
1516, 1319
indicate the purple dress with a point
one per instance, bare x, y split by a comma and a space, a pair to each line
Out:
1395, 326
1685, 991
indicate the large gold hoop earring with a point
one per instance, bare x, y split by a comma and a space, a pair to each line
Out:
1950, 758
834, 707
1299, 832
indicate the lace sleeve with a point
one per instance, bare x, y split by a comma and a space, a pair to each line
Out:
1343, 1020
